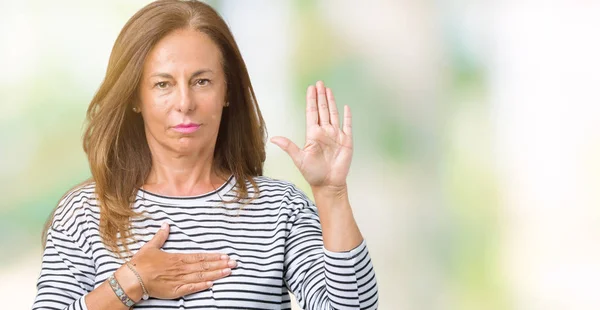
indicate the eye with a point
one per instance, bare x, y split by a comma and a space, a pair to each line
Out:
161, 85
202, 82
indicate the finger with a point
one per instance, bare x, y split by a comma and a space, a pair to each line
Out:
289, 147
333, 111
312, 113
160, 237
347, 121
205, 276
202, 257
322, 104
210, 266
190, 288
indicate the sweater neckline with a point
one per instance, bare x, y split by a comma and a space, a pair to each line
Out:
214, 194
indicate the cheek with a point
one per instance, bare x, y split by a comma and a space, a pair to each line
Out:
217, 113
160, 103
157, 105
209, 106
156, 114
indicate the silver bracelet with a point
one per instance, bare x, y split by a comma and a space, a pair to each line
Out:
145, 295
116, 287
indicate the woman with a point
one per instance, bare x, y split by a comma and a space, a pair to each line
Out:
177, 213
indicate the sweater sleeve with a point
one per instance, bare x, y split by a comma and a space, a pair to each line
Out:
318, 278
66, 276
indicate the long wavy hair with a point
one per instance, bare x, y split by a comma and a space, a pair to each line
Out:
114, 138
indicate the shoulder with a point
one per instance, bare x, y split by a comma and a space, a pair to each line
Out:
74, 208
283, 190
288, 197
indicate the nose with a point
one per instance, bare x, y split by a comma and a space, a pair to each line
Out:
186, 102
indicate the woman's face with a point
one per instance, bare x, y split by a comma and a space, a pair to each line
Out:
182, 93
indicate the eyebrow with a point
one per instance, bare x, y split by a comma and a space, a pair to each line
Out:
168, 76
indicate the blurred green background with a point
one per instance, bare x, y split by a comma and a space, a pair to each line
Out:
476, 128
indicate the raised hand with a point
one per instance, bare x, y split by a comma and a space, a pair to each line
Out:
325, 159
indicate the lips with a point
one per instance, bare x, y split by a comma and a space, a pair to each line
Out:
186, 128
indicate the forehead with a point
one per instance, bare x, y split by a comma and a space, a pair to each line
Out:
182, 50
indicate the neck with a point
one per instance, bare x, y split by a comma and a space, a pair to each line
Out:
183, 175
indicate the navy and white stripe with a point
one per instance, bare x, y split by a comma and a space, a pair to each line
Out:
276, 240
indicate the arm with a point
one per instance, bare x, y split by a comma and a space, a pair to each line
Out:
340, 231
339, 274
67, 279
321, 278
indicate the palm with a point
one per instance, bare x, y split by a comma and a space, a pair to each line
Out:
326, 156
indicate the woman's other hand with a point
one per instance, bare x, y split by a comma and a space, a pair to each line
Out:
324, 161
170, 275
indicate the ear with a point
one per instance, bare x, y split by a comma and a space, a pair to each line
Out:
136, 104
226, 99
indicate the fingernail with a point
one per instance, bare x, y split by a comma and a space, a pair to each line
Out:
210, 284
224, 257
226, 271
164, 226
232, 263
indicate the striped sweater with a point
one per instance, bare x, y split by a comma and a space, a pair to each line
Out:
276, 241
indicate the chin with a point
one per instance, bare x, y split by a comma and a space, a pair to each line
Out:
188, 145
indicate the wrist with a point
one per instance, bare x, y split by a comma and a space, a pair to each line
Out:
331, 198
328, 192
129, 283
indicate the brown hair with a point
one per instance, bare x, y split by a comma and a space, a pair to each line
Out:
114, 138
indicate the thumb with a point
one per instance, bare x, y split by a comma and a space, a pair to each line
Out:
160, 237
289, 147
